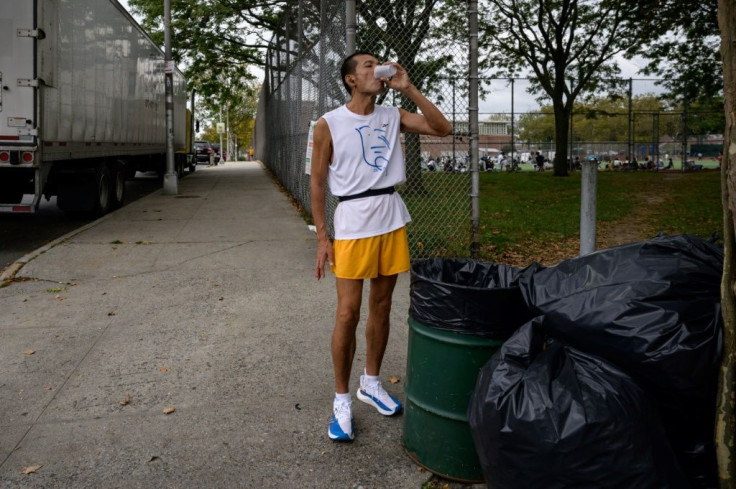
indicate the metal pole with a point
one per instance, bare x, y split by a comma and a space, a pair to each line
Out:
171, 184
222, 149
588, 197
656, 139
572, 162
350, 25
513, 135
473, 117
631, 119
654, 129
453, 122
684, 135
191, 157
192, 124
323, 82
572, 131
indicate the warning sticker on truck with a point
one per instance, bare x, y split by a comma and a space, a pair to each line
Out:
16, 122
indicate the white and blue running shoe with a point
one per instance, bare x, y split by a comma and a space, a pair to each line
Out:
341, 423
374, 394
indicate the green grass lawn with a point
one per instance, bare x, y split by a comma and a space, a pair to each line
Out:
531, 216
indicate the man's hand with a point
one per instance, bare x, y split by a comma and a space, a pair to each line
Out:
324, 254
400, 81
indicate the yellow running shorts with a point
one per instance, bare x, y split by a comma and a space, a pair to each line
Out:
386, 254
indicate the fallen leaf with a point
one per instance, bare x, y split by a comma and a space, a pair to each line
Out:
59, 298
31, 469
111, 313
421, 469
125, 401
55, 290
394, 379
164, 369
169, 410
221, 298
298, 408
48, 387
29, 352
155, 457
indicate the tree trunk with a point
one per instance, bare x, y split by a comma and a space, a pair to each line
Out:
562, 134
726, 409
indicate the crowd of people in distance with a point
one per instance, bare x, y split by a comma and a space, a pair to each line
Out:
541, 163
487, 163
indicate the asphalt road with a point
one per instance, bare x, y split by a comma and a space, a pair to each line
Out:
22, 233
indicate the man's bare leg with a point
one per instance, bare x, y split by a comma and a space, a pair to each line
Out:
378, 326
349, 296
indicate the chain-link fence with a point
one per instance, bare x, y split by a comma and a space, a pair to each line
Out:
624, 120
302, 83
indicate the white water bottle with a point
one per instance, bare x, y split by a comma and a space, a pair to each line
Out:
384, 71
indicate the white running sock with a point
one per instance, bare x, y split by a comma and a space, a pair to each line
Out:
343, 398
371, 378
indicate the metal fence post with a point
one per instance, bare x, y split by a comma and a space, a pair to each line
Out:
513, 135
631, 120
473, 122
322, 57
454, 122
350, 25
588, 201
300, 56
684, 136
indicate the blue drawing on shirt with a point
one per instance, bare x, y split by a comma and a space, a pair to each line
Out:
375, 145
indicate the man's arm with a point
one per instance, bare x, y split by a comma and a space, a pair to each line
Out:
430, 121
321, 156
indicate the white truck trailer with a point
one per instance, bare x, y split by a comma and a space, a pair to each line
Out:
82, 105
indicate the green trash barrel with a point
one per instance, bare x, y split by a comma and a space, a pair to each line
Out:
461, 313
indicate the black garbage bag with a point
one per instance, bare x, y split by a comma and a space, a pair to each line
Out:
653, 309
546, 415
469, 296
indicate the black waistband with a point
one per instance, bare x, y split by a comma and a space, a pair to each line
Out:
368, 193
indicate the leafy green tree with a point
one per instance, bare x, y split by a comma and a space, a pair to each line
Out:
568, 46
604, 119
680, 39
215, 42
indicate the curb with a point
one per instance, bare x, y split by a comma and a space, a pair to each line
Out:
8, 275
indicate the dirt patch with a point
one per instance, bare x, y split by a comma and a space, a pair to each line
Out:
633, 227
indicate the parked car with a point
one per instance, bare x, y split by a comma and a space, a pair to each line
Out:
203, 150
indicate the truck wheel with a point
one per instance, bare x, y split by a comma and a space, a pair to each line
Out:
103, 201
117, 187
192, 164
179, 167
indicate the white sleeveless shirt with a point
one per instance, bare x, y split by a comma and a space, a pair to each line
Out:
367, 155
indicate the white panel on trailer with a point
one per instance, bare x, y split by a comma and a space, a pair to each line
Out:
108, 96
17, 105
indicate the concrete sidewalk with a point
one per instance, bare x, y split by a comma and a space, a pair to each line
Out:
205, 302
